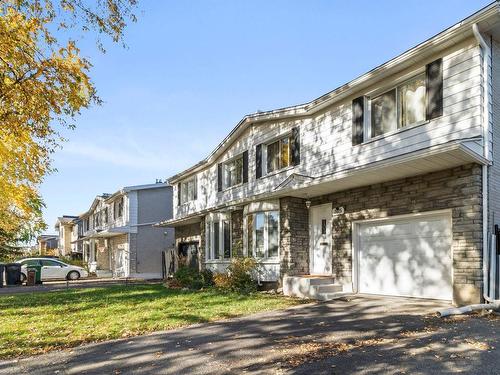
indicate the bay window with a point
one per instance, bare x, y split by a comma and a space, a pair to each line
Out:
218, 237
233, 172
263, 234
399, 107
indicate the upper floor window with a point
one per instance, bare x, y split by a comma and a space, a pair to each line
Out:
187, 191
402, 106
105, 215
96, 220
278, 154
413, 102
233, 172
118, 207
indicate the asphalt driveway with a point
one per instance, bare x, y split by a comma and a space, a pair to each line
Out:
359, 335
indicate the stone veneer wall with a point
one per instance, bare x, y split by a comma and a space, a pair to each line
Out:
458, 189
192, 233
294, 237
237, 233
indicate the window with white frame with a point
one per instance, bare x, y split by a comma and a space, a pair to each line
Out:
218, 238
233, 172
188, 190
262, 230
401, 106
278, 154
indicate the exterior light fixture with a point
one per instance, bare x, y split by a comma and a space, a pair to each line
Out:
308, 204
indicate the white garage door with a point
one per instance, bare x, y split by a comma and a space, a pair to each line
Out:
406, 257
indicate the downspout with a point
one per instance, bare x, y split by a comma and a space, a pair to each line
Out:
490, 304
486, 147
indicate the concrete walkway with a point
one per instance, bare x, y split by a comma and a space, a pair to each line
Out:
364, 335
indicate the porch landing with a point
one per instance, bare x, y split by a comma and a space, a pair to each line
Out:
322, 288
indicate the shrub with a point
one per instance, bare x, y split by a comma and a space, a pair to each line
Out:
188, 277
208, 277
239, 276
221, 281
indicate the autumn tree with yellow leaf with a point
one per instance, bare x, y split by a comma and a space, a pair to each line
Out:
44, 84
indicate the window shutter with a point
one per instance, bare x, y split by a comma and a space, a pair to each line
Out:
258, 161
358, 109
434, 88
219, 177
179, 194
245, 167
195, 187
295, 146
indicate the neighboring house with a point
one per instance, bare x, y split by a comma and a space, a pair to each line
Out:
390, 184
118, 237
76, 239
47, 244
64, 226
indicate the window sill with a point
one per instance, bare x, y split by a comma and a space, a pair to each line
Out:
218, 261
229, 188
394, 132
186, 203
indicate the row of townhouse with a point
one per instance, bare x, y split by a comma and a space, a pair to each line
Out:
388, 184
116, 236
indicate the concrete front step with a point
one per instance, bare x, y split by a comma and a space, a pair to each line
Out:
326, 288
313, 287
330, 296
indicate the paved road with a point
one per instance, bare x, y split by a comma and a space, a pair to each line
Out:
364, 335
61, 285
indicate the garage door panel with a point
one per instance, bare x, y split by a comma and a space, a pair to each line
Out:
411, 257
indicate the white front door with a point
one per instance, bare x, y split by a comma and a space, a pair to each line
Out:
320, 235
409, 256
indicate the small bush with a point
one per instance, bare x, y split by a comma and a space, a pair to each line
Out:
208, 277
239, 276
222, 281
187, 277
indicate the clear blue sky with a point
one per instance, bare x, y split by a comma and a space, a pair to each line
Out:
193, 69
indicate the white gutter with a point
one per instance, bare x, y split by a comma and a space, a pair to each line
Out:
486, 147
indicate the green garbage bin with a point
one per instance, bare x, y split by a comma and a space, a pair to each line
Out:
38, 275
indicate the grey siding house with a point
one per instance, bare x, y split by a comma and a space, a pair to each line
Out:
119, 239
387, 185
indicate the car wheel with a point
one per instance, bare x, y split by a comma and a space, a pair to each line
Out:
73, 275
23, 278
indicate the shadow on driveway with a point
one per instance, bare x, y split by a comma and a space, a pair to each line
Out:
362, 335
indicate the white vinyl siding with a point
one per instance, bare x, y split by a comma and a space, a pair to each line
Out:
325, 142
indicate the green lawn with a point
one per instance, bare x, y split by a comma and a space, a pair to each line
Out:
39, 322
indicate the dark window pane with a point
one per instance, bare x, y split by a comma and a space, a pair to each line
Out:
384, 113
227, 240
216, 241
